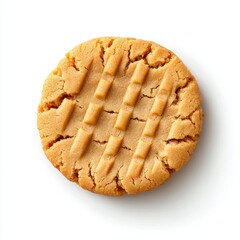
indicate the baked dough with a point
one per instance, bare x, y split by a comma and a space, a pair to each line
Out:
119, 115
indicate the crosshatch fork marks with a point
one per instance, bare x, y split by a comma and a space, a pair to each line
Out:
108, 158
94, 109
148, 135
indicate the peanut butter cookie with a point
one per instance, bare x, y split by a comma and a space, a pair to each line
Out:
119, 115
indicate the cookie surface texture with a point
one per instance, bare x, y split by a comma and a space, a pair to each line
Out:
119, 115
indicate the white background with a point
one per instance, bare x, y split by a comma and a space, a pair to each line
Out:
202, 201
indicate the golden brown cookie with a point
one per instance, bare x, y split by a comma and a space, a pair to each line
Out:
119, 115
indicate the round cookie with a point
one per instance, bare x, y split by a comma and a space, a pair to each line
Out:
119, 115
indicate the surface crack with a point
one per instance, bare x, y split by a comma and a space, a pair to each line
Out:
103, 50
75, 175
55, 103
167, 167
119, 188
154, 88
151, 181
100, 142
138, 119
166, 164
189, 116
58, 139
145, 96
128, 56
101, 55
110, 111
179, 90
133, 181
187, 138
126, 148
91, 176
72, 61
143, 57
73, 64
60, 164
